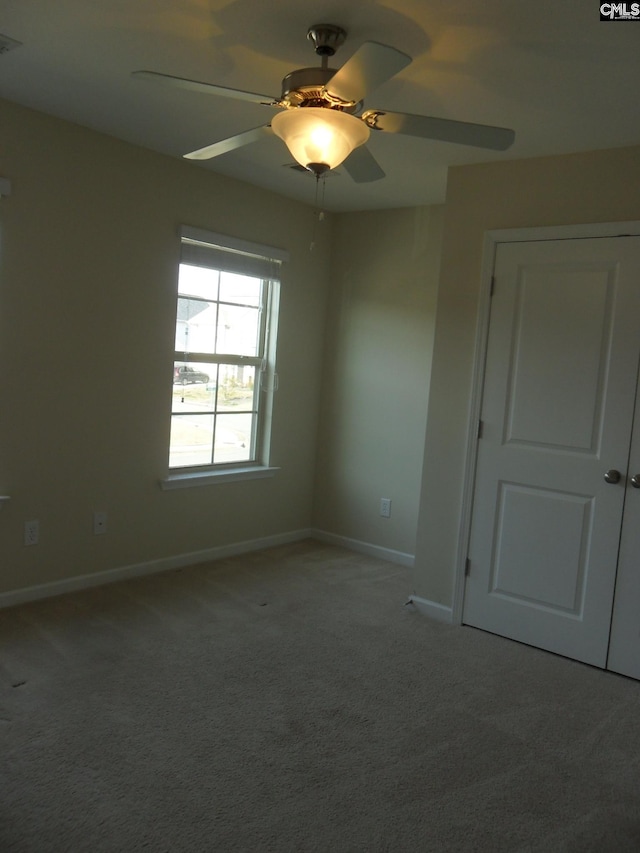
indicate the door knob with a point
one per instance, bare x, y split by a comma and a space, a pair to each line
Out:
635, 481
613, 476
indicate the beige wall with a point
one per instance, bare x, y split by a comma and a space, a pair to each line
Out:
582, 188
88, 265
377, 363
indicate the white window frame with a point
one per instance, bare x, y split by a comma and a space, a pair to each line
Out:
231, 254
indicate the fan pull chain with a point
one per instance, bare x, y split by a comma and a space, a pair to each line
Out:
318, 213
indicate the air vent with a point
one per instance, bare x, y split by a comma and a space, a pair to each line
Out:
7, 44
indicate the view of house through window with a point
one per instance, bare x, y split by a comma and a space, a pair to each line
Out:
222, 372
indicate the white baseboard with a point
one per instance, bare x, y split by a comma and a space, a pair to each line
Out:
152, 567
163, 564
431, 608
370, 550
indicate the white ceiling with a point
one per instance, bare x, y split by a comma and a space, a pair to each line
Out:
549, 69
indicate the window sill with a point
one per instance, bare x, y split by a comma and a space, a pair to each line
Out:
207, 478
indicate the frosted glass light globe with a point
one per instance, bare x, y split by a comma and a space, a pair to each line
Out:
319, 138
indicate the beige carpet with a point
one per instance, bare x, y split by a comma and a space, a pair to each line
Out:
288, 700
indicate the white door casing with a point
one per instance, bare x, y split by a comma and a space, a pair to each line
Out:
557, 407
624, 641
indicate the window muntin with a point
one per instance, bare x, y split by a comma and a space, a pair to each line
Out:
222, 369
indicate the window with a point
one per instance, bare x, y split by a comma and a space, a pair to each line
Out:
224, 363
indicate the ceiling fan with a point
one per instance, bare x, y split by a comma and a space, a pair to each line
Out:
321, 117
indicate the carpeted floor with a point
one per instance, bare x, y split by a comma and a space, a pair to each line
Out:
288, 700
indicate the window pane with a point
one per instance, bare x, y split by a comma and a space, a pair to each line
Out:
194, 387
196, 325
191, 440
236, 387
198, 281
233, 438
240, 289
237, 330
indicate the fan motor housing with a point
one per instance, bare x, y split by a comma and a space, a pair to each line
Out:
305, 87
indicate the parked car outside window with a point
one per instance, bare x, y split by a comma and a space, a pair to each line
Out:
185, 375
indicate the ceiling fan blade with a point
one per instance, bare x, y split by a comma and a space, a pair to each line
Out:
362, 166
206, 88
370, 66
443, 129
230, 144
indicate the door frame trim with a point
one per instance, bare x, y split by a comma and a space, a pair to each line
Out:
492, 239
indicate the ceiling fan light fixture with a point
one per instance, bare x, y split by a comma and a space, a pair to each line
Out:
319, 138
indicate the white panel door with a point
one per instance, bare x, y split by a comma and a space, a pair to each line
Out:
557, 412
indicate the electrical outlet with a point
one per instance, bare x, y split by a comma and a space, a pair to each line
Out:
99, 522
31, 532
385, 507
